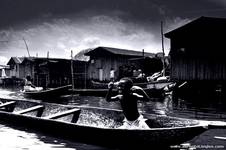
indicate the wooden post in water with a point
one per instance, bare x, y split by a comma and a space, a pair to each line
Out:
72, 71
47, 76
85, 77
142, 64
37, 80
163, 51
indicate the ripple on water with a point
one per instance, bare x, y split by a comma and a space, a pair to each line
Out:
16, 139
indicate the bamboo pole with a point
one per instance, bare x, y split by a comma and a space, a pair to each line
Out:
48, 75
26, 47
72, 71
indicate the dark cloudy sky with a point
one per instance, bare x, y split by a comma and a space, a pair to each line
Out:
59, 26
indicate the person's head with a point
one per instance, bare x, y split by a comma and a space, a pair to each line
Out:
28, 77
124, 85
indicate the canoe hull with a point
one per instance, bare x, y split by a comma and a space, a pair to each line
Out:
106, 137
50, 93
153, 89
152, 92
149, 85
102, 130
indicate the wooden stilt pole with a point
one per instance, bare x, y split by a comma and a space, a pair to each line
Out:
72, 71
163, 51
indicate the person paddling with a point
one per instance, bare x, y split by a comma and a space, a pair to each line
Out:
128, 96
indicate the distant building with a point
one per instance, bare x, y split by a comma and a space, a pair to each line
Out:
105, 59
48, 72
16, 70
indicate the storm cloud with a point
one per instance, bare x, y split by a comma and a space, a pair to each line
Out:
59, 26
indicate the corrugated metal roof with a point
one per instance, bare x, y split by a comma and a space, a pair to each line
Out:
80, 56
118, 51
18, 60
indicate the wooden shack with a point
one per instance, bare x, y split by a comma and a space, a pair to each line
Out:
197, 51
104, 59
48, 72
16, 70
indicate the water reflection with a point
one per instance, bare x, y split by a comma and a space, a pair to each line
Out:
189, 108
15, 138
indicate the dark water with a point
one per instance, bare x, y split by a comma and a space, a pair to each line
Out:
15, 138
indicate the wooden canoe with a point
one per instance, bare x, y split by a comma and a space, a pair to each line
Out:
154, 89
98, 126
158, 85
153, 93
48, 93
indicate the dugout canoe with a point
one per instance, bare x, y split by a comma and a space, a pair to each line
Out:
98, 126
48, 93
154, 89
157, 85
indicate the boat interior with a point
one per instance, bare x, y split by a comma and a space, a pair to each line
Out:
84, 115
